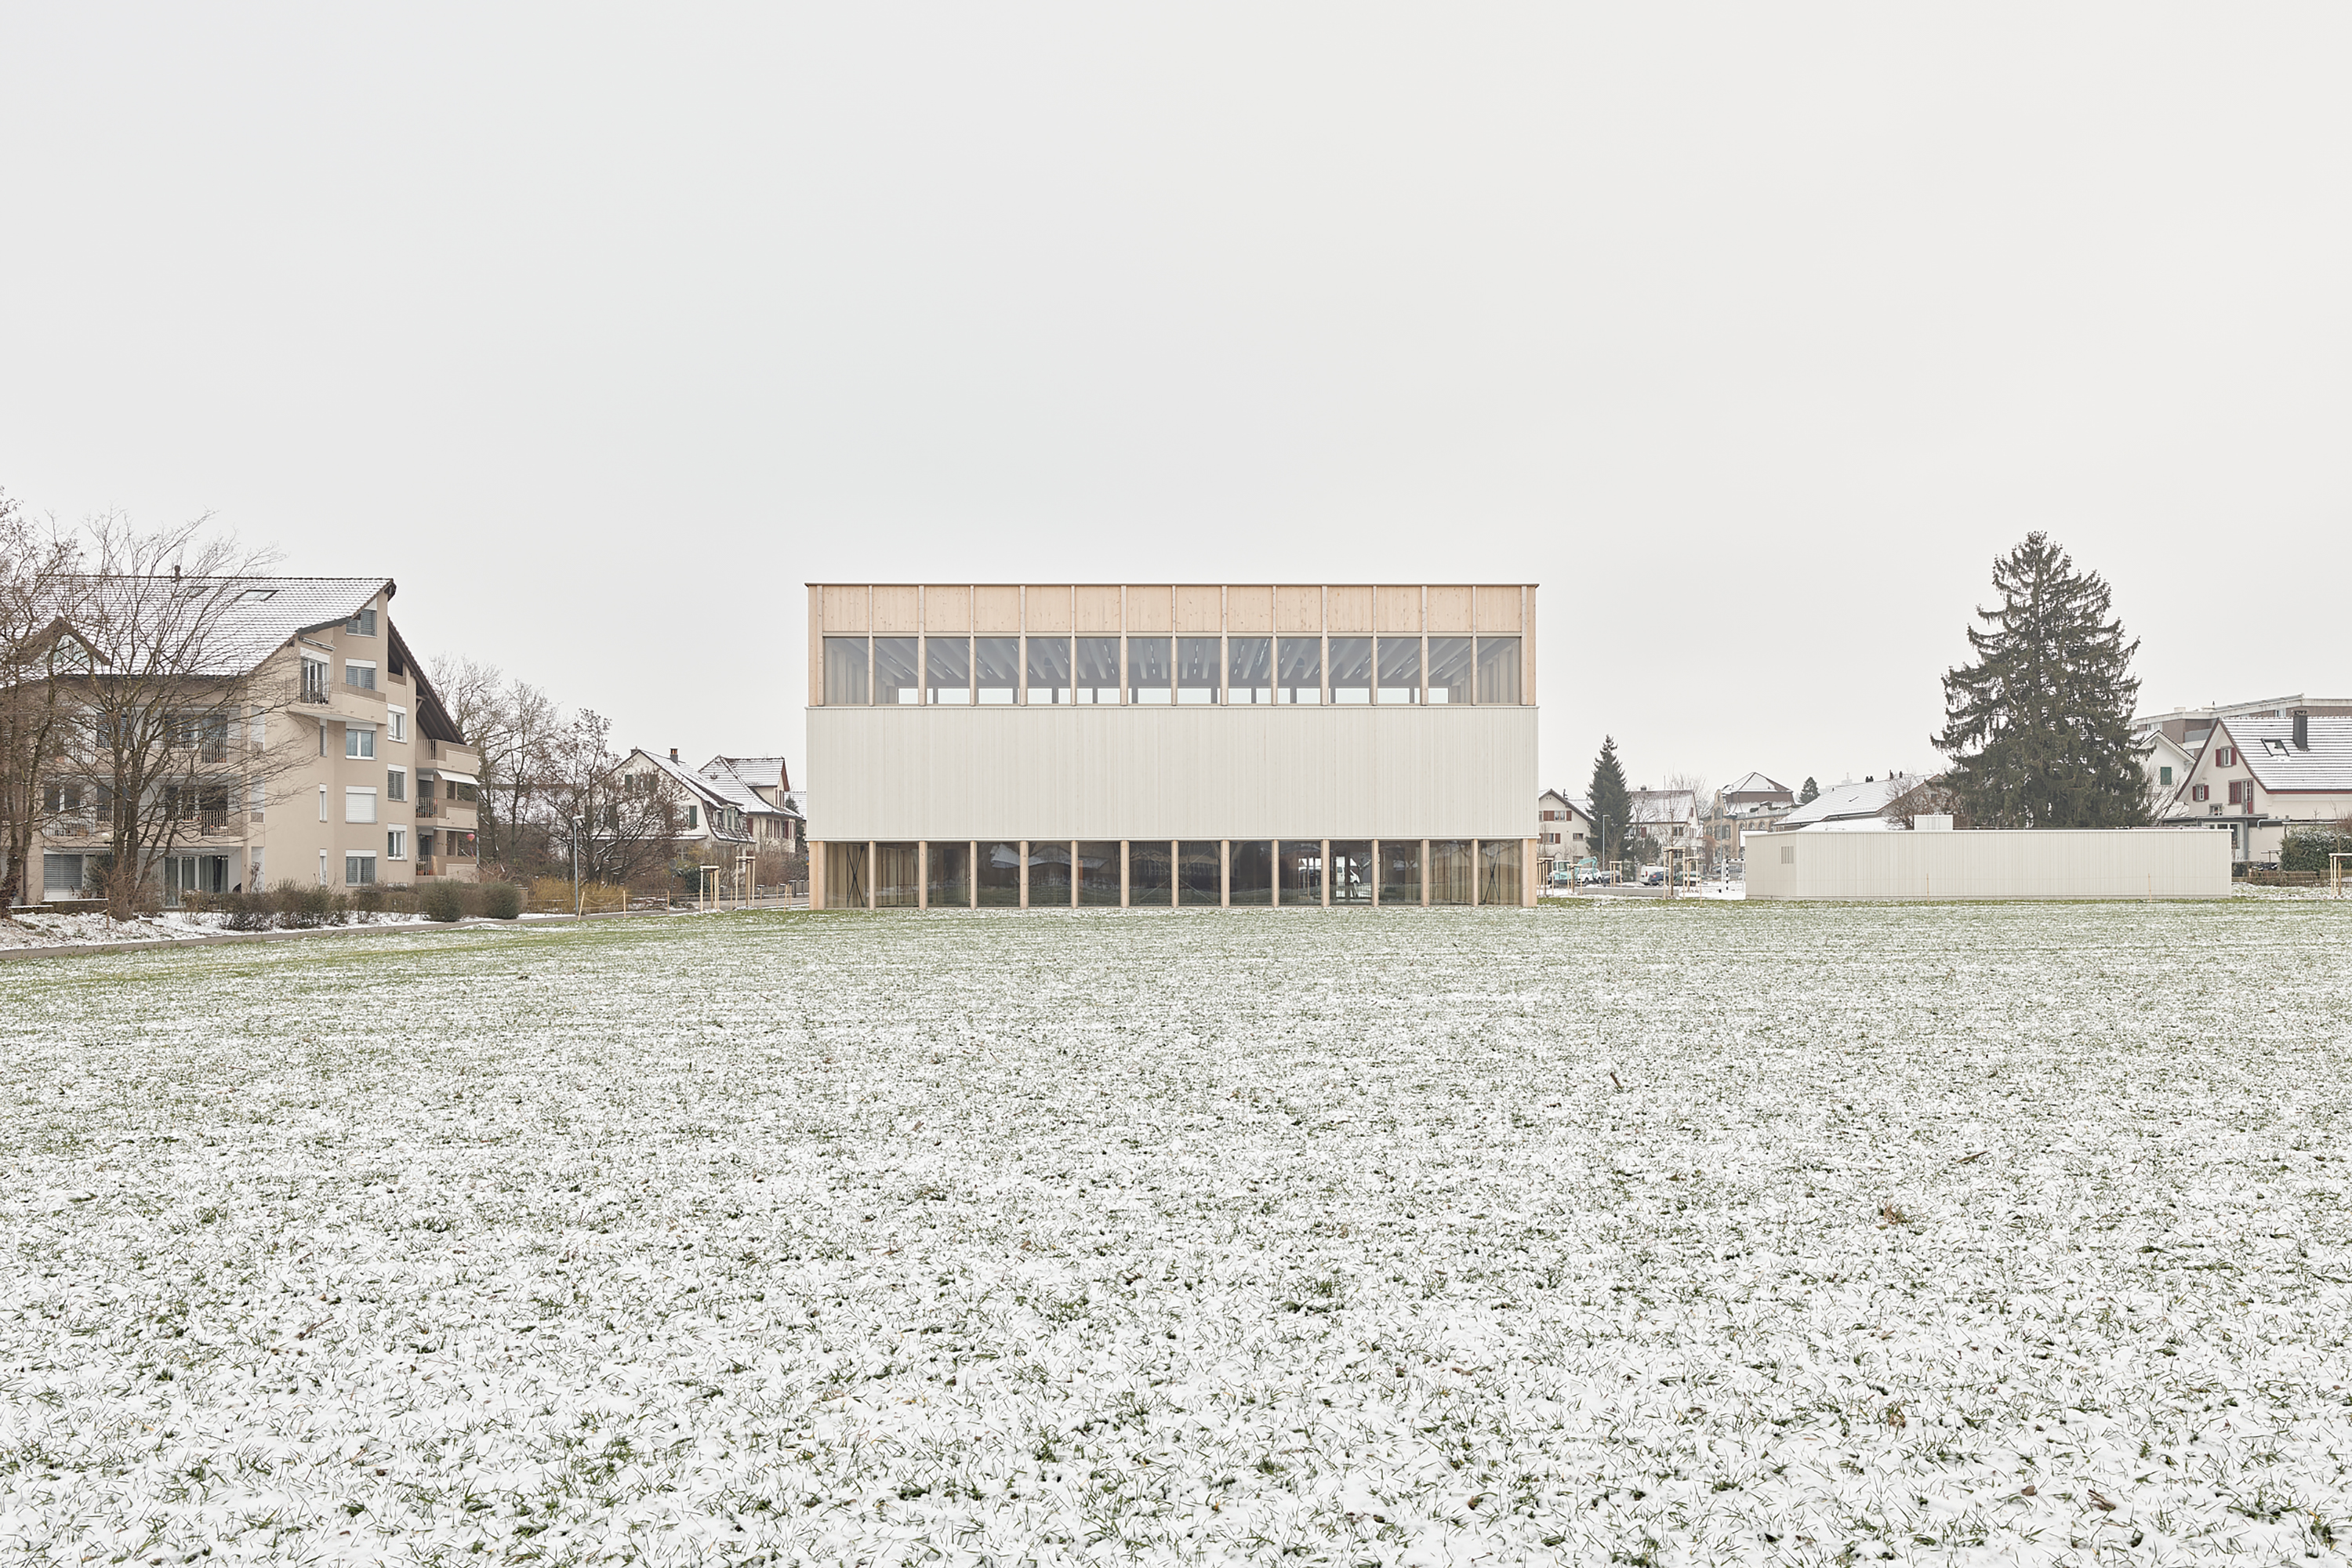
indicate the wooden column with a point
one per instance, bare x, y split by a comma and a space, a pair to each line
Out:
923, 874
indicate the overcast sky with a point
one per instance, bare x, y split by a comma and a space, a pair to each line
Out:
1752, 333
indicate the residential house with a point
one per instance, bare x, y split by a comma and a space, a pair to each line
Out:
2263, 776
2189, 727
1850, 807
1755, 789
760, 787
1668, 818
317, 750
1565, 837
713, 824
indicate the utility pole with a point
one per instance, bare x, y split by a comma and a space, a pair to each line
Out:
578, 823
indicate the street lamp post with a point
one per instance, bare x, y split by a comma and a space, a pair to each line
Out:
578, 824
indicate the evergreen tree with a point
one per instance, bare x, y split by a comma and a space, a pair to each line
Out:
2039, 728
1612, 806
1810, 793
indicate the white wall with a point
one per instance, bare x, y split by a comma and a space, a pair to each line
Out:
2117, 863
1174, 772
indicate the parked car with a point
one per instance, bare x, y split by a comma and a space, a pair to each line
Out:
1654, 876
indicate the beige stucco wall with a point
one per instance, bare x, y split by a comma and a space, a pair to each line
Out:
2119, 863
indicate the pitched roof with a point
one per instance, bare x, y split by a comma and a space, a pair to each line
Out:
224, 625
760, 773
1756, 783
2267, 747
1846, 801
1653, 805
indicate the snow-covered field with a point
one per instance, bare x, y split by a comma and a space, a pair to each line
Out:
1644, 1231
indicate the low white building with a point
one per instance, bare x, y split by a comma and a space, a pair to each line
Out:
1936, 864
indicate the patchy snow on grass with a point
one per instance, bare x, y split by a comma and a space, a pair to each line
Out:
1690, 1232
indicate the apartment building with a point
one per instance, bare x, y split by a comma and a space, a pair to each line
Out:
1158, 745
313, 750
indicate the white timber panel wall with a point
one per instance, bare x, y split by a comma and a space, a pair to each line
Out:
1174, 772
2114, 863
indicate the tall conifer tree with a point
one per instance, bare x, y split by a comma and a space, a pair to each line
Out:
2039, 727
1612, 806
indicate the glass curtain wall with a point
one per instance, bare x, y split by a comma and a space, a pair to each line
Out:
1196, 669
1299, 670
1199, 871
1351, 872
1449, 871
1499, 871
1249, 669
1449, 669
1097, 669
894, 674
950, 874
1399, 870
1351, 669
844, 876
1499, 669
1151, 874
845, 670
1049, 873
896, 877
1097, 868
1251, 875
947, 671
1400, 669
1147, 670
1301, 867
1049, 670
996, 669
999, 874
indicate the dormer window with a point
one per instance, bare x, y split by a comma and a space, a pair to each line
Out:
255, 595
362, 624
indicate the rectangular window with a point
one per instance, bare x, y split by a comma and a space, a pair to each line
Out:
359, 805
362, 624
2225, 756
396, 784
395, 844
947, 671
1096, 679
1399, 670
949, 874
358, 742
1399, 870
322, 803
1499, 669
2200, 792
398, 718
896, 881
1151, 874
1049, 873
424, 846
1299, 865
1249, 669
1449, 871
314, 679
2237, 790
895, 673
1299, 670
1097, 869
1200, 872
996, 669
693, 816
1147, 670
1499, 871
356, 674
1351, 669
2164, 775
844, 671
1000, 875
322, 868
1351, 862
1449, 669
1250, 878
359, 868
322, 738
1049, 670
1197, 659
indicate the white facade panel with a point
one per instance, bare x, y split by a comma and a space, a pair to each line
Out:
1174, 772
2114, 863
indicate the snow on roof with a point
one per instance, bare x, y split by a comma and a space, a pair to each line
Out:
760, 773
742, 785
1756, 783
2267, 747
226, 624
1846, 801
1663, 805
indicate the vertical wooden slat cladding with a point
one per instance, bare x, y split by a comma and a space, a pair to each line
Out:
1527, 649
1399, 610
1498, 608
815, 644
847, 609
1097, 606
898, 609
1350, 610
1249, 611
1297, 610
1200, 610
1449, 610
1151, 607
995, 608
1045, 610
947, 608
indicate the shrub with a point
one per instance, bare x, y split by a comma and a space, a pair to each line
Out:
442, 900
369, 898
300, 905
246, 911
2306, 849
501, 900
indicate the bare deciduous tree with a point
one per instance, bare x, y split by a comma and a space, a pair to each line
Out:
626, 824
513, 724
38, 564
